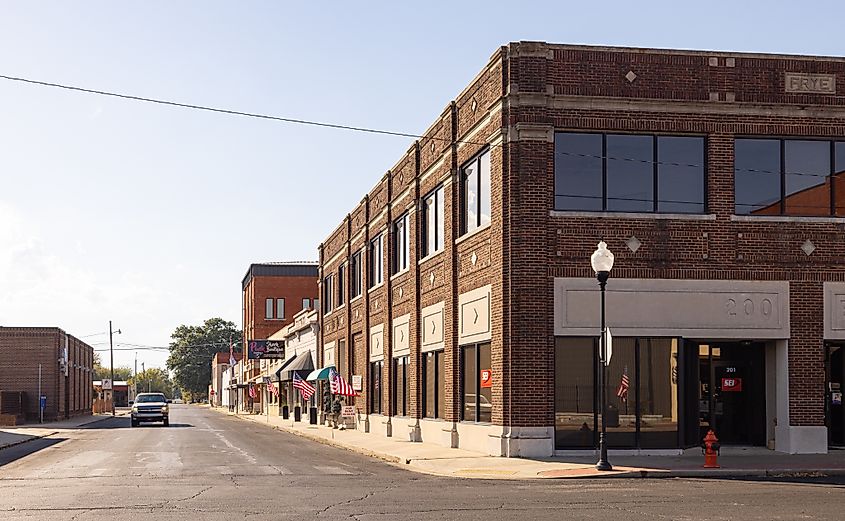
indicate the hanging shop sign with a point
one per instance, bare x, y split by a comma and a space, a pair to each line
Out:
266, 349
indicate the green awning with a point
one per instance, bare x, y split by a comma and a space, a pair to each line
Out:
320, 374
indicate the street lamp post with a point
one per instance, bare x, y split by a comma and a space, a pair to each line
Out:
111, 363
602, 262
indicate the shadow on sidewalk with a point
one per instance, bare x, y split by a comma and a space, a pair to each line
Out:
11, 454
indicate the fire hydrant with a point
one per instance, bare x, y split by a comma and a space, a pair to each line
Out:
710, 448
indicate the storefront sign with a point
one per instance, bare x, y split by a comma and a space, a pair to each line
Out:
106, 385
486, 378
267, 349
348, 411
836, 398
731, 385
357, 382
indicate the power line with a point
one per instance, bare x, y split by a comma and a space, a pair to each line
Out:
362, 129
220, 110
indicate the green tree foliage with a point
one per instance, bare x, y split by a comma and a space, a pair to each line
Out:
192, 349
104, 372
153, 380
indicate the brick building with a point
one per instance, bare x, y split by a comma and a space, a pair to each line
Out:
272, 294
219, 365
461, 288
66, 370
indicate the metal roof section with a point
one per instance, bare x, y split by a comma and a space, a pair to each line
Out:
281, 269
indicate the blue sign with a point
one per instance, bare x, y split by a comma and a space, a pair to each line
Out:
43, 402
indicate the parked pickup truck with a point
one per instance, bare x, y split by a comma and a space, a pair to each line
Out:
150, 407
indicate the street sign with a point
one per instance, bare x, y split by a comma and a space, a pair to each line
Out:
266, 349
357, 382
609, 350
348, 411
43, 403
106, 385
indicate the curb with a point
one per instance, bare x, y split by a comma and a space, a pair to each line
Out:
33, 438
326, 441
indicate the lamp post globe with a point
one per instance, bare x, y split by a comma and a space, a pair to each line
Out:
602, 262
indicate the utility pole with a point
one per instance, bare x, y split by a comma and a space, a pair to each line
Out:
135, 383
111, 362
144, 372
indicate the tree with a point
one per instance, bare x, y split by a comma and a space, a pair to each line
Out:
153, 380
120, 373
191, 352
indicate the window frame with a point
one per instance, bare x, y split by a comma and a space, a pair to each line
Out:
438, 197
269, 308
400, 230
376, 397
306, 303
782, 174
280, 316
399, 384
341, 285
476, 348
355, 273
438, 394
328, 293
656, 164
375, 270
477, 161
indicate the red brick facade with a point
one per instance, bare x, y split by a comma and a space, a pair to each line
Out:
526, 93
23, 348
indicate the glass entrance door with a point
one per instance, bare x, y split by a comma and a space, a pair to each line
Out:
732, 392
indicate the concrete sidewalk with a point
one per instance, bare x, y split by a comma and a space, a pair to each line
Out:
17, 434
432, 459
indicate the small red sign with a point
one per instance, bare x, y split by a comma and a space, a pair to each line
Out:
732, 385
486, 378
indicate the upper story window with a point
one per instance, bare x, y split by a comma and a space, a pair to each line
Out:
268, 309
789, 177
355, 274
629, 173
341, 284
475, 193
306, 303
328, 291
432, 222
401, 234
280, 308
375, 265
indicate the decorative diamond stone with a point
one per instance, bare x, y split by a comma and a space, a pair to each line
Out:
431, 278
473, 259
633, 244
631, 76
432, 146
474, 105
808, 247
401, 292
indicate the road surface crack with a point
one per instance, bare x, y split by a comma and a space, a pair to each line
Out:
366, 496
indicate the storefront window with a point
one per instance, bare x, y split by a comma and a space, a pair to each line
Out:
399, 385
375, 386
641, 393
575, 367
434, 384
478, 392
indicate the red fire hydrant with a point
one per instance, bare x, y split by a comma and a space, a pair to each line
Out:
710, 448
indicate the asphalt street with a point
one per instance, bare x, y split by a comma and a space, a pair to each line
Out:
210, 466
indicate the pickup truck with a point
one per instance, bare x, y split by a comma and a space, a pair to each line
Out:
150, 407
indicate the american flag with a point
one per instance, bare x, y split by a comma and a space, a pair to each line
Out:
339, 385
305, 389
271, 387
252, 392
622, 392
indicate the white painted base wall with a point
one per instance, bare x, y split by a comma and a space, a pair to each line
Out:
801, 440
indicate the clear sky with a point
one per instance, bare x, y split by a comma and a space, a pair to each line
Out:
149, 215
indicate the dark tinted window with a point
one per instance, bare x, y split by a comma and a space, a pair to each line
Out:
807, 171
757, 176
578, 171
680, 174
839, 177
630, 173
575, 365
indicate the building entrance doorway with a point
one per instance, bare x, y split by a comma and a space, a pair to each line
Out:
732, 392
835, 411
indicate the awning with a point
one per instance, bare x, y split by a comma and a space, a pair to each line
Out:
302, 364
320, 374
